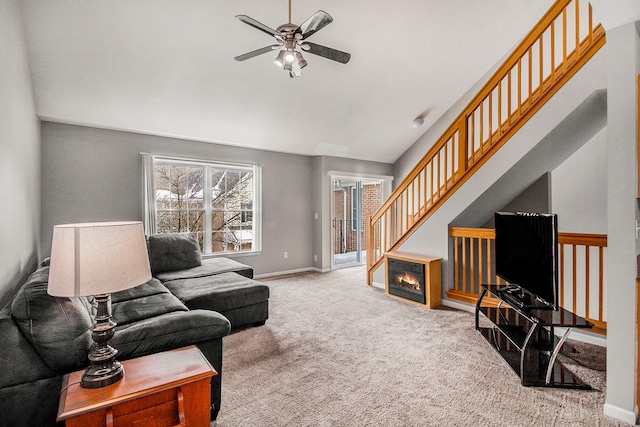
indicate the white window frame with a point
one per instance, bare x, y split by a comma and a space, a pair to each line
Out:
356, 209
150, 199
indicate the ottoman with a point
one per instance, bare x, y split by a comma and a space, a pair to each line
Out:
242, 300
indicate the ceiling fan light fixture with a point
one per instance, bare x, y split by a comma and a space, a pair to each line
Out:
280, 60
289, 56
301, 61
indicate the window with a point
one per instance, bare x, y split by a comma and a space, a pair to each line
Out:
214, 201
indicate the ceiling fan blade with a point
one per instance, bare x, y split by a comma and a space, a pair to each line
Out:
315, 23
256, 52
259, 25
329, 53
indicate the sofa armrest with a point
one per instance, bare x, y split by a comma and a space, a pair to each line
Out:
20, 362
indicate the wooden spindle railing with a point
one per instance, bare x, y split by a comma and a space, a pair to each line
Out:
566, 37
581, 264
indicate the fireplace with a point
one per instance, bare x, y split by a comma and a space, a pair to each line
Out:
406, 279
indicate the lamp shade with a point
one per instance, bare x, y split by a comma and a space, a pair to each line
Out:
97, 258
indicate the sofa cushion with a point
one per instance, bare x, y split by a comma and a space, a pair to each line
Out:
145, 307
152, 287
221, 292
209, 267
173, 251
58, 328
168, 331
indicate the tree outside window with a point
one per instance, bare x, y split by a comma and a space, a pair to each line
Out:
214, 202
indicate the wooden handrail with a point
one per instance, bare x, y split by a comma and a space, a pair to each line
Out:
501, 107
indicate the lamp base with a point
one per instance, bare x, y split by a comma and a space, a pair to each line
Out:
104, 369
98, 375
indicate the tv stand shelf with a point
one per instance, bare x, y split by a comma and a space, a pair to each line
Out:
526, 340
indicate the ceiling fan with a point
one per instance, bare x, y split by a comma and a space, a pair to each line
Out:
291, 41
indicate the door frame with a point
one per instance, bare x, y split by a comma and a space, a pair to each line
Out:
386, 189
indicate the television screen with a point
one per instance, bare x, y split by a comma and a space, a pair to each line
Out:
526, 248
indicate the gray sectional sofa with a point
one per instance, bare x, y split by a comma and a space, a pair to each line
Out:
218, 284
190, 301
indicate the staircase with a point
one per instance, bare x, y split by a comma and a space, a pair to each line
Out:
561, 43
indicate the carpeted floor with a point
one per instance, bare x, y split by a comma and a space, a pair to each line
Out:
336, 352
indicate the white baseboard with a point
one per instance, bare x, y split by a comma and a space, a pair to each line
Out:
378, 285
459, 305
287, 272
625, 415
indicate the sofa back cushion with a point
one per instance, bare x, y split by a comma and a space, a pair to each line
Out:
173, 251
58, 328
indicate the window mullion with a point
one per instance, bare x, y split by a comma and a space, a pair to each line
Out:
207, 210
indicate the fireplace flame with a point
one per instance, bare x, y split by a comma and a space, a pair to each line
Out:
408, 280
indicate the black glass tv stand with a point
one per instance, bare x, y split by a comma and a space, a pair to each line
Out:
525, 338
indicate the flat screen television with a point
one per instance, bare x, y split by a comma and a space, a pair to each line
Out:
526, 256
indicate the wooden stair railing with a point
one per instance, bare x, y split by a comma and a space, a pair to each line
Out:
581, 270
564, 39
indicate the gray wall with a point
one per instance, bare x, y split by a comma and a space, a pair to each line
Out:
91, 174
19, 157
579, 187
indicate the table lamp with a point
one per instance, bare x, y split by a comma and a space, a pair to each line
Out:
97, 259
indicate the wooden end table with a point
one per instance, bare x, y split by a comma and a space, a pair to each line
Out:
163, 389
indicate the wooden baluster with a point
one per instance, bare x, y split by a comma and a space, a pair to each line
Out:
456, 264
564, 40
601, 284
530, 60
472, 264
541, 44
464, 264
481, 130
480, 263
587, 282
500, 109
561, 275
472, 135
575, 278
509, 98
519, 88
553, 52
446, 164
462, 146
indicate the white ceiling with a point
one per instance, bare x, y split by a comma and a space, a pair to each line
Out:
165, 67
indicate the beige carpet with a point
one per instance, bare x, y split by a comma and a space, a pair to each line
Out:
336, 352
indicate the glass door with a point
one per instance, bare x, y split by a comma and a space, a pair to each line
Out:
354, 200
